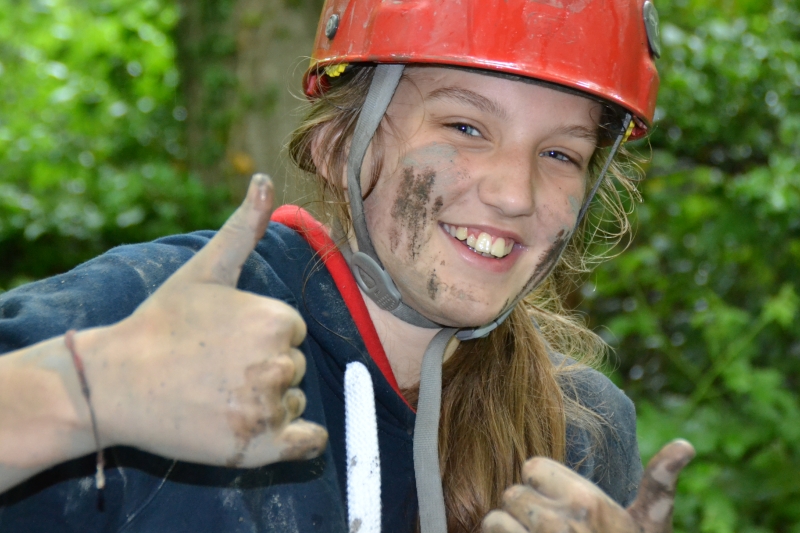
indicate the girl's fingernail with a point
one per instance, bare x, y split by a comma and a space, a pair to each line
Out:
263, 182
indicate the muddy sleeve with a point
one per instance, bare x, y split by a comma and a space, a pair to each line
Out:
97, 293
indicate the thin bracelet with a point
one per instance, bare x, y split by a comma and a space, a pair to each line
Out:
69, 340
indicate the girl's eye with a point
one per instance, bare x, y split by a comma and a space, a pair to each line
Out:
556, 155
466, 129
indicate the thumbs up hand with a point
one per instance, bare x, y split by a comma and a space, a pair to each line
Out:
201, 371
554, 499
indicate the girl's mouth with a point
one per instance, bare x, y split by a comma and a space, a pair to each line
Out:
481, 242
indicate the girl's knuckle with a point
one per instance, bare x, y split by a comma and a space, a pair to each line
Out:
281, 369
513, 493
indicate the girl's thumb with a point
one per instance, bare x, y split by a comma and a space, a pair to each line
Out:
652, 509
220, 261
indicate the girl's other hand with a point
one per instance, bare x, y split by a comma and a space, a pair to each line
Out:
554, 499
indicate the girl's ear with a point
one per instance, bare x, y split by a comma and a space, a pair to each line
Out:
323, 141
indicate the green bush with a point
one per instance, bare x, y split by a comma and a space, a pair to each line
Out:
703, 307
90, 134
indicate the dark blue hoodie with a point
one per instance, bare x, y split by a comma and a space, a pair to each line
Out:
147, 493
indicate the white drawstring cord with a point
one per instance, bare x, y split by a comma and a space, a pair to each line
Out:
363, 456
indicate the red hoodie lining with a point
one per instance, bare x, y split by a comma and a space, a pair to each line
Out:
317, 237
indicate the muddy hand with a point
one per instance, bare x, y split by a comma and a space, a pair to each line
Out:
652, 509
554, 499
204, 372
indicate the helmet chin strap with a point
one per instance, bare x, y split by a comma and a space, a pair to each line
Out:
370, 275
376, 283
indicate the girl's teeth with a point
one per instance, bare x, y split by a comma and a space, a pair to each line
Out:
498, 247
484, 243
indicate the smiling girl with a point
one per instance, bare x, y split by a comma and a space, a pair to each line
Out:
419, 327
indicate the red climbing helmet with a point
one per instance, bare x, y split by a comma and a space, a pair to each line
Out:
605, 48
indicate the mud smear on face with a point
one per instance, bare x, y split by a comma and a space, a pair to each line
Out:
256, 399
433, 285
436, 287
437, 206
461, 294
547, 262
412, 210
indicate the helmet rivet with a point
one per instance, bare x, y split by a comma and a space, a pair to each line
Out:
332, 26
651, 25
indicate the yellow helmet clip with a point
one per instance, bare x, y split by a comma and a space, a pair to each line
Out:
333, 71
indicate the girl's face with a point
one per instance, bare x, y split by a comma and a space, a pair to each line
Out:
482, 181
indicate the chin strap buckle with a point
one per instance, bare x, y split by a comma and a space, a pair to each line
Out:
375, 281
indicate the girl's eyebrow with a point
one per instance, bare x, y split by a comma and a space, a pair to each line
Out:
465, 96
577, 130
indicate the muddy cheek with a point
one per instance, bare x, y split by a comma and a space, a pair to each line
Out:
551, 256
437, 206
575, 205
547, 262
412, 210
462, 294
433, 285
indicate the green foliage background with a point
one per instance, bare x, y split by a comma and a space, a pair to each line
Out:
702, 309
91, 151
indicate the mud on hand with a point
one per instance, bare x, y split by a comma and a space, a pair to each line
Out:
203, 372
554, 499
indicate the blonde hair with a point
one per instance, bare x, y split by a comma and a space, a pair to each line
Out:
519, 400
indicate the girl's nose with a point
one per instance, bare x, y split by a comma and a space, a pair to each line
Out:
508, 185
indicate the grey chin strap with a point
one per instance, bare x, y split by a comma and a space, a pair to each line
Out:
432, 516
370, 275
376, 283
626, 123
